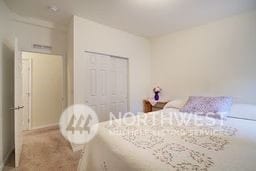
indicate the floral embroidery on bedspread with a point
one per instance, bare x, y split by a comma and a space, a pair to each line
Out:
147, 141
215, 142
176, 155
208, 142
182, 158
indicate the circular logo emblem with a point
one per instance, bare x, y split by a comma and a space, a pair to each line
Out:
78, 124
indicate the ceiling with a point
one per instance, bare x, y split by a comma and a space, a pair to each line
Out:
142, 17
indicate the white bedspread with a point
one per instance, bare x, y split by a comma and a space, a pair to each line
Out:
231, 147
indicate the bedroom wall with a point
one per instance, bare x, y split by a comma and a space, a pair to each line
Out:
6, 86
214, 59
33, 31
95, 37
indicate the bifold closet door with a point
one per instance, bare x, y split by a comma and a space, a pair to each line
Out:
118, 85
106, 84
97, 84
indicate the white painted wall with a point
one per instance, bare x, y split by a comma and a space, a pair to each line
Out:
95, 37
6, 86
37, 32
214, 59
33, 31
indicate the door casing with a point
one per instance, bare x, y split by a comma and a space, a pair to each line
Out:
27, 62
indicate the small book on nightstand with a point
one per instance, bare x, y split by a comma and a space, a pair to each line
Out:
150, 108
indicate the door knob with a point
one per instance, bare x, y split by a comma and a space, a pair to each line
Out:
16, 108
20, 107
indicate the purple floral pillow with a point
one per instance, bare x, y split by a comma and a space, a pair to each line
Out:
205, 105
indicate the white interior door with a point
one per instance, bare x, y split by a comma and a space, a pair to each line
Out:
107, 80
18, 109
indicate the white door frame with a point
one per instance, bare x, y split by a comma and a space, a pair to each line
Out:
29, 60
63, 68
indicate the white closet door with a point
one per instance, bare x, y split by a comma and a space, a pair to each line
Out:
107, 84
98, 76
118, 83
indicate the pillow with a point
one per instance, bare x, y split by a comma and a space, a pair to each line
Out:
177, 104
217, 107
243, 111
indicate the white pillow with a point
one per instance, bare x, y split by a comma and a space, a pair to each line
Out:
177, 104
246, 111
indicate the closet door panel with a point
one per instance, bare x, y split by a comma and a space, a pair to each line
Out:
102, 86
97, 84
118, 84
91, 81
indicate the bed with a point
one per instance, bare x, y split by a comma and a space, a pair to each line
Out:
225, 145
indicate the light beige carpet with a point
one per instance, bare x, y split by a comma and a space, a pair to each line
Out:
47, 151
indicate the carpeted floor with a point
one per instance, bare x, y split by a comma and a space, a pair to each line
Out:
46, 151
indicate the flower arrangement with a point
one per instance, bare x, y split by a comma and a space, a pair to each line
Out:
156, 90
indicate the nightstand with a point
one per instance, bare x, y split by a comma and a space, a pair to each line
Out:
149, 108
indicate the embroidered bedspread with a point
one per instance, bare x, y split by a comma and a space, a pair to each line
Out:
151, 142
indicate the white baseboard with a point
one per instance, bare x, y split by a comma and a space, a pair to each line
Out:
41, 129
46, 126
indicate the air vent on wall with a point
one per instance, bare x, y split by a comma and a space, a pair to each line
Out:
44, 47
